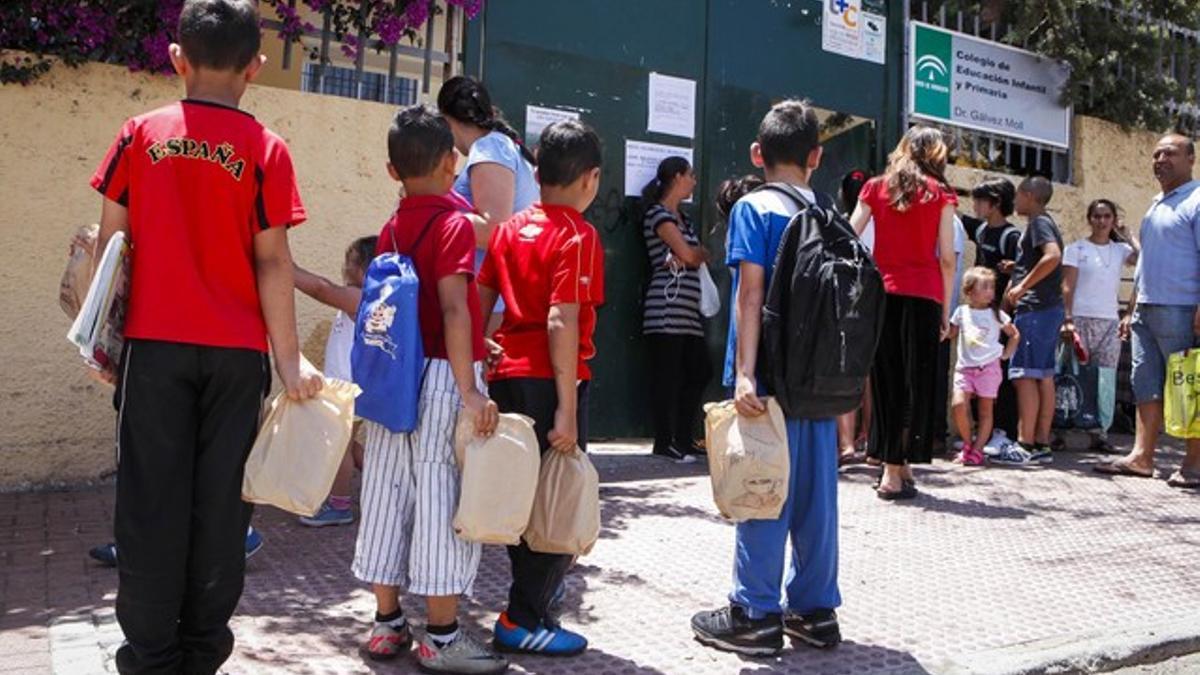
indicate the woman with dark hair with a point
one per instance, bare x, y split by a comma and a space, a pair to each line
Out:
672, 322
498, 177
913, 209
1091, 278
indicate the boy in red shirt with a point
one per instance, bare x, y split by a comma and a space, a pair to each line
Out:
548, 265
410, 481
205, 195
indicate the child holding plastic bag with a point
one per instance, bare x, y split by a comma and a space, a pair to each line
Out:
410, 484
345, 298
548, 265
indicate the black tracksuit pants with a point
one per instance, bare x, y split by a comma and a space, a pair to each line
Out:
536, 576
187, 417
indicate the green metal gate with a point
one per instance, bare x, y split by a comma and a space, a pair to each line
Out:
595, 57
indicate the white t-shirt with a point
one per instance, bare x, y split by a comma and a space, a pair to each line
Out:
1099, 281
337, 348
868, 235
978, 335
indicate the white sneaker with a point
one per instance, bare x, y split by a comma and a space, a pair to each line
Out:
465, 655
1012, 454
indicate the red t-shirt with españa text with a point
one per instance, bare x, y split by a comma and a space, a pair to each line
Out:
200, 179
543, 256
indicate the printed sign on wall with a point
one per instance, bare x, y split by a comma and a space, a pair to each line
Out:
855, 28
978, 84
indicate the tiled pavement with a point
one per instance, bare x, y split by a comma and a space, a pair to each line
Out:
983, 559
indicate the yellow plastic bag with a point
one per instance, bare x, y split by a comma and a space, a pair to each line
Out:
1181, 395
499, 479
566, 509
77, 277
299, 447
748, 461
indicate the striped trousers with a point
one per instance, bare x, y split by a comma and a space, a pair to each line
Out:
410, 485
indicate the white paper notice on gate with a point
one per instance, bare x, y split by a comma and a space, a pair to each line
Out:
641, 163
538, 118
672, 106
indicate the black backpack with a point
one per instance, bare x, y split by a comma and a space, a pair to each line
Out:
823, 314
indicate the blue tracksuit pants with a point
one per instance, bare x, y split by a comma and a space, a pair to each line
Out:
810, 517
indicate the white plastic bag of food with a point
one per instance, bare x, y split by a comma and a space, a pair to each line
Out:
748, 461
499, 479
299, 447
566, 510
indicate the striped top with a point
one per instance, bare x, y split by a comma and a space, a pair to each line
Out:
673, 296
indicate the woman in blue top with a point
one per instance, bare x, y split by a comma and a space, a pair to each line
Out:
498, 177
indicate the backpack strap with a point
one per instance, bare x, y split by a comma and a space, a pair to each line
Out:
824, 203
424, 230
1008, 232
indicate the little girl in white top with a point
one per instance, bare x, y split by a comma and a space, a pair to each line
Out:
977, 327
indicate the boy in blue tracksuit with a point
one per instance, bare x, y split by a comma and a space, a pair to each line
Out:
763, 603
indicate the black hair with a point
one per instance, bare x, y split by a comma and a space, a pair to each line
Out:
789, 132
567, 150
418, 139
363, 249
999, 191
219, 34
852, 185
668, 170
1116, 211
1039, 187
466, 100
733, 189
1184, 140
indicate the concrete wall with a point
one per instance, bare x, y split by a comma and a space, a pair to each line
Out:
1109, 163
56, 425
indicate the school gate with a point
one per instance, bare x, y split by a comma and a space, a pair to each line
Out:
596, 57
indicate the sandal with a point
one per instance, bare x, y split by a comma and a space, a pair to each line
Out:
1101, 445
1186, 481
1121, 467
906, 491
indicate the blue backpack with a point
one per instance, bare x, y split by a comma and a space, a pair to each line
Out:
387, 359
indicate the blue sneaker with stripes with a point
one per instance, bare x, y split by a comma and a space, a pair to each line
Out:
511, 638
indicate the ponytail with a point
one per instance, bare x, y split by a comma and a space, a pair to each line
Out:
668, 170
467, 101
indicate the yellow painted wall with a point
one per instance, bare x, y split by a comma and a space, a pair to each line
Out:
56, 425
273, 74
1109, 163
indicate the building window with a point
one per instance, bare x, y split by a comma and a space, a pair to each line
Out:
366, 86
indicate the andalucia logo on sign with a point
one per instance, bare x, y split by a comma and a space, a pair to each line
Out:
932, 52
974, 83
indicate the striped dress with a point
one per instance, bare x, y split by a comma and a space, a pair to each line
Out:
673, 296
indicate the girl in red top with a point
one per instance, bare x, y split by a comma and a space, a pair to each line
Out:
913, 209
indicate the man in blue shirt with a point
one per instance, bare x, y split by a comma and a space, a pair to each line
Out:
1166, 311
762, 607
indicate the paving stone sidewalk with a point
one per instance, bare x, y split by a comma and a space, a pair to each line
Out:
984, 559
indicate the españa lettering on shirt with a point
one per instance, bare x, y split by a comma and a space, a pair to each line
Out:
188, 148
